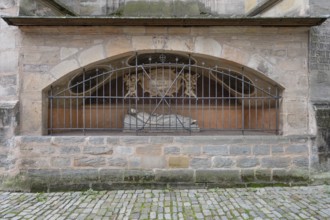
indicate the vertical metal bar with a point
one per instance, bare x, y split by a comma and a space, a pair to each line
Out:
103, 101
64, 107
136, 107
222, 101
269, 100
263, 109
249, 105
110, 106
243, 104
123, 89
90, 103
189, 105
71, 125
277, 110
203, 96
116, 97
84, 110
176, 94
256, 105
96, 99
216, 98
229, 98
51, 110
77, 108
236, 102
209, 99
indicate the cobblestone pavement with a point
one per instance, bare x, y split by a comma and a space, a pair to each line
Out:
242, 203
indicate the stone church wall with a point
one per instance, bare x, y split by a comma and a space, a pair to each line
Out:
32, 58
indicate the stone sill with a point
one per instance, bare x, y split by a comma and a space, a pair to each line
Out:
164, 21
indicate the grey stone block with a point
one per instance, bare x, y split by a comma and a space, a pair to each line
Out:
113, 140
134, 140
217, 176
96, 150
297, 149
117, 162
96, 140
208, 140
73, 141
275, 140
240, 150
149, 150
29, 163
79, 176
151, 162
216, 150
247, 175
222, 162
277, 149
248, 162
200, 163
171, 150
111, 175
261, 150
43, 175
60, 162
134, 162
287, 176
191, 150
301, 162
276, 162
35, 139
70, 150
174, 176
263, 175
161, 140
140, 176
89, 161
123, 150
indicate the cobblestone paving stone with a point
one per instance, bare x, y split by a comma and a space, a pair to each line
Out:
240, 203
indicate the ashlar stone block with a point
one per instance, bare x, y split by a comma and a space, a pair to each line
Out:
217, 176
222, 162
91, 55
174, 176
89, 162
178, 162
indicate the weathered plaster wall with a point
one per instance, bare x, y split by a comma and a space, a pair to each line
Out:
280, 53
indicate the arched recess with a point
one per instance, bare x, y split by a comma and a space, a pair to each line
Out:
163, 92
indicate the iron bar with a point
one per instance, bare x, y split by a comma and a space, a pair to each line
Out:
218, 98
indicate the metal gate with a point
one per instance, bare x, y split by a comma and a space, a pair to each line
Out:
164, 93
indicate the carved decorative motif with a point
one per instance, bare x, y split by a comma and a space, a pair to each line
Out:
161, 83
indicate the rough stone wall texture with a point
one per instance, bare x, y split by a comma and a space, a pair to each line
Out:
55, 161
166, 8
9, 53
9, 119
291, 8
319, 65
279, 53
116, 7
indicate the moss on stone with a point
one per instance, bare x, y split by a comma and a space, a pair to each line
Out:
16, 183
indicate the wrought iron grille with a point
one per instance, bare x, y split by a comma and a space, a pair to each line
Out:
154, 95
